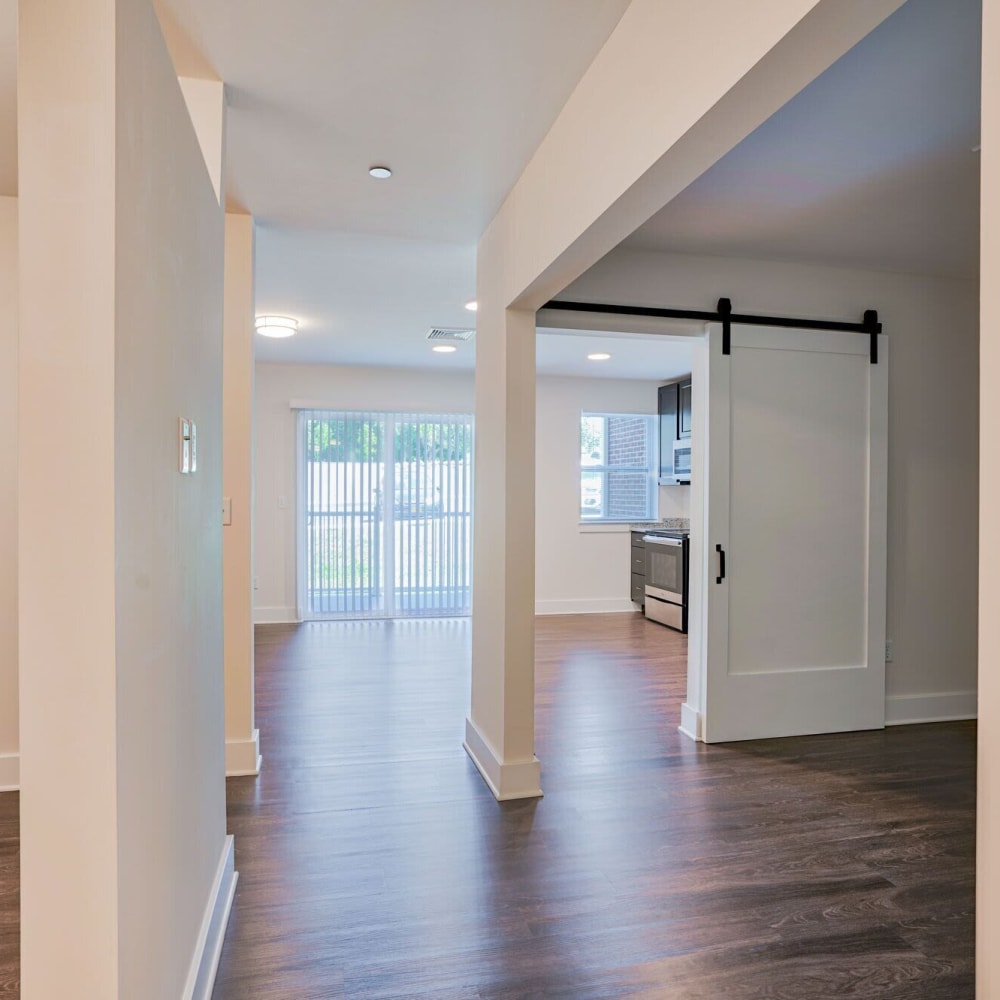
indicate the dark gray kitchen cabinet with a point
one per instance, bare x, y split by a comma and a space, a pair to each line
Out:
638, 575
667, 409
684, 409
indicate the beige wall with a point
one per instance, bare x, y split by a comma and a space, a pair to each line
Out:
8, 494
932, 324
123, 799
988, 805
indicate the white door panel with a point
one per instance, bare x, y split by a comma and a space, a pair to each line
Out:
797, 503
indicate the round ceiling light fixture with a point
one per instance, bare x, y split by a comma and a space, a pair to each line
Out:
600, 356
444, 348
472, 306
276, 326
380, 172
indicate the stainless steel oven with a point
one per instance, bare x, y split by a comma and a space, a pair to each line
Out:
667, 578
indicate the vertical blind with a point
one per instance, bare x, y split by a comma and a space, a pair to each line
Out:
385, 505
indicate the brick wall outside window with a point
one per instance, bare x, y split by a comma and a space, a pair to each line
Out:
627, 474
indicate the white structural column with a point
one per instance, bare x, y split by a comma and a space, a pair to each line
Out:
988, 802
675, 87
126, 870
206, 104
500, 732
67, 507
8, 498
242, 738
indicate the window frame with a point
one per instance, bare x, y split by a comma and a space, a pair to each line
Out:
650, 469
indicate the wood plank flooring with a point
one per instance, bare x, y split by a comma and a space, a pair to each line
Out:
10, 930
374, 863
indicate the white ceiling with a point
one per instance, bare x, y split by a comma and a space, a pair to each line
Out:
454, 95
633, 355
870, 166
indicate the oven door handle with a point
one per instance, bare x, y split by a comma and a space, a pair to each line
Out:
722, 563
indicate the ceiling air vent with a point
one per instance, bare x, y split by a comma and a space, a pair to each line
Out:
445, 333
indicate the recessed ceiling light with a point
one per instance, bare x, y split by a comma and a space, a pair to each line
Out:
472, 306
276, 326
598, 357
380, 172
444, 348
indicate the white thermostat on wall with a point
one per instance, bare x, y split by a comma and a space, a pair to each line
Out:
187, 445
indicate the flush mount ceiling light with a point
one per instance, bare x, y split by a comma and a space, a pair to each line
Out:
380, 172
276, 326
444, 348
599, 357
472, 306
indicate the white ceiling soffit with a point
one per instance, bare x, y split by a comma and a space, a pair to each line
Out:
453, 95
870, 166
8, 97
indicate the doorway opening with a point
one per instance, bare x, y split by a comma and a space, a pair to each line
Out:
384, 514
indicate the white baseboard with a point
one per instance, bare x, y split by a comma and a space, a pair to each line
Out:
690, 722
951, 706
208, 949
10, 772
585, 606
243, 756
275, 616
521, 780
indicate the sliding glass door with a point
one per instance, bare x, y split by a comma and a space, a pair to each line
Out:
385, 514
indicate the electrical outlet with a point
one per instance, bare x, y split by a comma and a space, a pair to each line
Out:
888, 650
282, 503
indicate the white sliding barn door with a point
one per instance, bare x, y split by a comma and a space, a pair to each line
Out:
797, 506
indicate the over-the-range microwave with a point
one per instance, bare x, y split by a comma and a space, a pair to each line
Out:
682, 460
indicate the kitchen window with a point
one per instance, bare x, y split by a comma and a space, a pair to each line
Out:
618, 467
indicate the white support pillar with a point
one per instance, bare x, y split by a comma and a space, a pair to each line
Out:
500, 732
242, 738
644, 121
9, 779
988, 800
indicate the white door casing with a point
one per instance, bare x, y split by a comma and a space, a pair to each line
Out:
797, 502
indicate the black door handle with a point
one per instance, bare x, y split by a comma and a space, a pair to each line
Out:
722, 564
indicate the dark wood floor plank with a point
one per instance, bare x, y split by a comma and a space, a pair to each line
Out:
374, 863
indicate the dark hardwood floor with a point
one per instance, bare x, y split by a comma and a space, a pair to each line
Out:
10, 929
374, 863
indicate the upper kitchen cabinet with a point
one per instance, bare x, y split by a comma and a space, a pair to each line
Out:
684, 409
667, 408
675, 433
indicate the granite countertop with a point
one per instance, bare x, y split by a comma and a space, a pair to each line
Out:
667, 522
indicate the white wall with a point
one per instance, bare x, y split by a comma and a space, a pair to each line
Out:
933, 437
8, 495
171, 781
575, 571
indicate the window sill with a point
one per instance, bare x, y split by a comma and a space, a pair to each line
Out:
603, 527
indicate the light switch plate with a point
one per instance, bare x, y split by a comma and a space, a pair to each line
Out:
183, 445
227, 510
